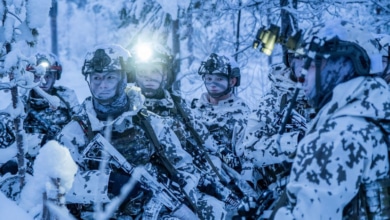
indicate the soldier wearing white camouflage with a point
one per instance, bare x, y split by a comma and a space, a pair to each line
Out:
43, 121
341, 168
151, 75
224, 116
268, 147
142, 138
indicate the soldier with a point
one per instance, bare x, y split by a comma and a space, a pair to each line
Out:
224, 116
135, 140
152, 74
43, 121
341, 168
269, 144
7, 139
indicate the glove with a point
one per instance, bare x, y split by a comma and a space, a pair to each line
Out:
9, 167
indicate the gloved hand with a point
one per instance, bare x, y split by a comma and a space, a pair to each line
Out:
10, 166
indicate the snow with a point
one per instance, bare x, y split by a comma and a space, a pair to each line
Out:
37, 20
10, 210
80, 29
53, 162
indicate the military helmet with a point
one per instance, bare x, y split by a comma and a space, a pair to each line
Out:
152, 53
341, 38
107, 58
222, 65
49, 61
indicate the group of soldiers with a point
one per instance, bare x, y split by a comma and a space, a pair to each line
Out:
316, 147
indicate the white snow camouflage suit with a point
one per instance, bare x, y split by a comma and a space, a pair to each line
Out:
224, 125
208, 206
42, 122
130, 140
269, 153
343, 151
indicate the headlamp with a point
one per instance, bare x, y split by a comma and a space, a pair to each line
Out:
144, 52
266, 38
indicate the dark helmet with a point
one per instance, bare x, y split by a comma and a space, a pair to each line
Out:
220, 64
108, 57
49, 61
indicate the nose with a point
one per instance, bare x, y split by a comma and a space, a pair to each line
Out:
103, 83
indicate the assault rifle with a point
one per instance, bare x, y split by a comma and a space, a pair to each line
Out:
243, 186
99, 149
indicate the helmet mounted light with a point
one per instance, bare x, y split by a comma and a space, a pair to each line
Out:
46, 63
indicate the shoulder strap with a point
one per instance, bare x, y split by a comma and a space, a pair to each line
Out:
63, 100
85, 126
144, 123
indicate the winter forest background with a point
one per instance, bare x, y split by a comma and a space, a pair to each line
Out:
191, 28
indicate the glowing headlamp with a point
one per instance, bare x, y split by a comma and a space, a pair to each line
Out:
45, 64
144, 52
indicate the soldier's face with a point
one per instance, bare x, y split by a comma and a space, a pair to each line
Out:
104, 85
48, 81
309, 85
150, 79
215, 83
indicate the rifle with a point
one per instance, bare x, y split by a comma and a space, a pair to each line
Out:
289, 109
141, 119
99, 149
201, 149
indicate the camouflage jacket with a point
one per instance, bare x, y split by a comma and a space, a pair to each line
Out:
167, 107
343, 148
177, 109
224, 125
261, 143
41, 118
130, 140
